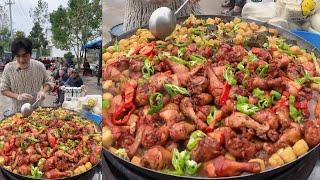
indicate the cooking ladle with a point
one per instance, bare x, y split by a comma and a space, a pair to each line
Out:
27, 108
162, 21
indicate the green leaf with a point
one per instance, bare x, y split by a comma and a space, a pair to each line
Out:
105, 104
262, 70
147, 69
178, 60
265, 102
258, 93
35, 172
41, 162
306, 77
275, 95
156, 103
173, 90
212, 114
229, 75
195, 137
246, 108
192, 167
122, 153
293, 111
181, 52
242, 99
252, 57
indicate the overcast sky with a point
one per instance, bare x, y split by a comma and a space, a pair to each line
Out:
20, 12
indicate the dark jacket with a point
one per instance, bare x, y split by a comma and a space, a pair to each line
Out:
74, 82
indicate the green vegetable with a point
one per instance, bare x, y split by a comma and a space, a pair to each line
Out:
160, 46
85, 149
195, 59
212, 114
246, 108
275, 95
181, 52
229, 75
63, 147
306, 77
1, 145
173, 89
195, 137
246, 72
242, 99
258, 93
192, 167
35, 172
196, 31
284, 47
147, 69
178, 60
180, 44
122, 153
182, 163
293, 112
20, 130
32, 139
41, 162
156, 103
116, 46
262, 70
265, 102
105, 104
252, 57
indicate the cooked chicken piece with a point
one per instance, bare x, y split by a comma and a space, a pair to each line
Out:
202, 112
295, 71
283, 116
252, 66
240, 147
55, 173
187, 109
171, 114
312, 132
197, 84
24, 170
220, 133
291, 86
202, 99
176, 67
206, 149
154, 136
34, 158
218, 71
309, 67
238, 120
137, 141
225, 111
222, 167
156, 158
181, 130
266, 116
215, 85
49, 163
142, 94
317, 108
290, 135
157, 80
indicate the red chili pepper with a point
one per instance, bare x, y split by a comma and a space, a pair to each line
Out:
147, 49
120, 117
255, 50
301, 105
281, 103
209, 129
225, 94
286, 93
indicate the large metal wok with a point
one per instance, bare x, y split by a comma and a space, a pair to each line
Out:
263, 175
85, 175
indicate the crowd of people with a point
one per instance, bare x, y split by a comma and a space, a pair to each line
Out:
65, 77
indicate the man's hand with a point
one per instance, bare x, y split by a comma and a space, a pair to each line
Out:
41, 95
24, 97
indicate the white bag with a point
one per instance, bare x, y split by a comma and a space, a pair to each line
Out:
263, 11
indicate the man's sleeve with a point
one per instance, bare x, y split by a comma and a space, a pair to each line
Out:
5, 82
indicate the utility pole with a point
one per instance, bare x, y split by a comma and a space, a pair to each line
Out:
10, 2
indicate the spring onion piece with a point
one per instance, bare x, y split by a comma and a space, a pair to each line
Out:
246, 108
242, 99
122, 153
195, 137
147, 69
196, 59
181, 52
41, 162
252, 57
293, 111
212, 114
35, 172
229, 75
275, 95
306, 77
105, 103
258, 93
265, 102
173, 89
178, 60
180, 44
246, 72
192, 167
156, 103
262, 70
116, 45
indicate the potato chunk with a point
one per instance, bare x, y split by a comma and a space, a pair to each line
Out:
287, 154
300, 147
275, 160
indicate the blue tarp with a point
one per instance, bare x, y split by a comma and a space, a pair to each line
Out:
93, 44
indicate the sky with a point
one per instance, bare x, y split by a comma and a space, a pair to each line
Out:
20, 12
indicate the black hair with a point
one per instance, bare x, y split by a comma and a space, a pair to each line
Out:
21, 43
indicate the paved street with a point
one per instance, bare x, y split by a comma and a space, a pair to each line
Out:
90, 82
113, 11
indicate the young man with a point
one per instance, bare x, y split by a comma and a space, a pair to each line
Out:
24, 80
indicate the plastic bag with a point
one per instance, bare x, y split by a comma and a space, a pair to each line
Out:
262, 11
